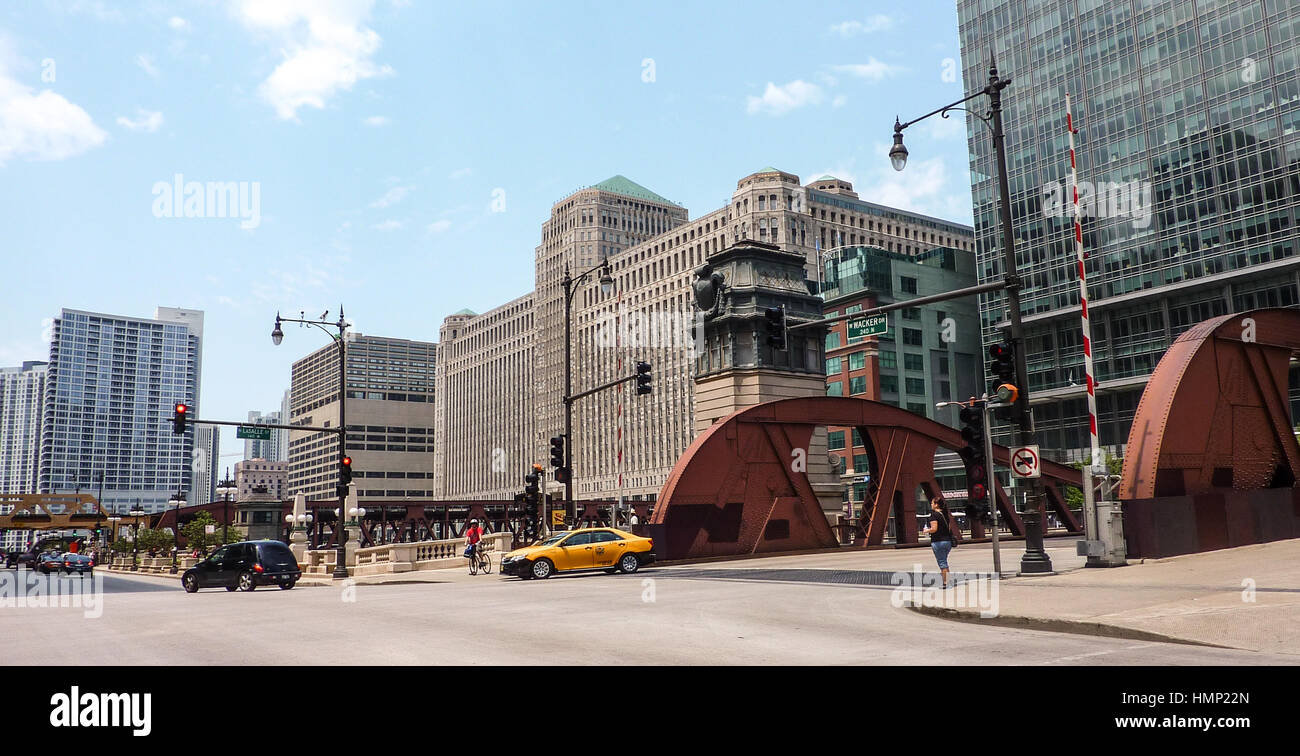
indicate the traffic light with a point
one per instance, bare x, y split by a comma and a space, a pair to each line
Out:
178, 418
530, 487
345, 471
775, 320
1004, 386
972, 454
642, 378
557, 451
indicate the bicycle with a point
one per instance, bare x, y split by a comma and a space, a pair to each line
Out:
480, 560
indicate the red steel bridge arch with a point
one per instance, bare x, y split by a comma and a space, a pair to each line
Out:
735, 491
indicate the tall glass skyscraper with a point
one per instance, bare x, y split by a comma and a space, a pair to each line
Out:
112, 384
1189, 118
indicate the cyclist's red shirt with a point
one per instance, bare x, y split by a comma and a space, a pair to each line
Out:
473, 535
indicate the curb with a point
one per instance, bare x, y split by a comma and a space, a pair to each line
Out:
1074, 627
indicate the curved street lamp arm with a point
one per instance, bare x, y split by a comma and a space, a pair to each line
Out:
319, 324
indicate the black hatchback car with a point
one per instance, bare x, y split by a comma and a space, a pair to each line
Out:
244, 566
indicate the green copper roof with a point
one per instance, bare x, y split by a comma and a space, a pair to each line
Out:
770, 169
628, 188
465, 311
828, 177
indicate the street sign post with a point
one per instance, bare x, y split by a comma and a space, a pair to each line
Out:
253, 433
1025, 462
869, 326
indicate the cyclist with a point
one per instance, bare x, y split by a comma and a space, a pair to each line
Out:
473, 534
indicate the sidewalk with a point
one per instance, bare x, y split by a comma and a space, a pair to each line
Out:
1197, 598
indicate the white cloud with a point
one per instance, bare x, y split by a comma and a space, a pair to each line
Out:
42, 125
325, 45
878, 22
781, 100
952, 127
178, 23
839, 101
146, 62
389, 225
377, 121
460, 173
392, 196
437, 227
925, 186
145, 120
872, 69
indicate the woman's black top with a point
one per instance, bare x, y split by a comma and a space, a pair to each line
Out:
944, 533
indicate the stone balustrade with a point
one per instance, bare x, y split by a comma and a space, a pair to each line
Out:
404, 557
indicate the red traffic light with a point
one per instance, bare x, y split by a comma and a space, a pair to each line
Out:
978, 491
181, 409
347, 461
998, 350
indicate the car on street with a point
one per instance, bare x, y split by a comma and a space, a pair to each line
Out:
49, 561
244, 566
78, 563
15, 559
585, 549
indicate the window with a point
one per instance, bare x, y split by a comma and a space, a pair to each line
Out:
912, 337
889, 384
907, 284
858, 385
833, 366
888, 359
916, 386
916, 408
913, 362
911, 313
835, 388
832, 341
835, 440
858, 361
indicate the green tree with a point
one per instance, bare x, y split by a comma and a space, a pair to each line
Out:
156, 541
196, 536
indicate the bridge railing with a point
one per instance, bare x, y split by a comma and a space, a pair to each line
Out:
402, 557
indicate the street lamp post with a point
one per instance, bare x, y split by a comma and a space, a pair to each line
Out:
1035, 559
225, 490
277, 335
176, 502
570, 285
136, 513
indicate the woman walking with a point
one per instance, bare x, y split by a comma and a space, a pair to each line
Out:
941, 538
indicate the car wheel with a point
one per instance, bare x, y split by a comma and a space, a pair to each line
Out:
629, 564
190, 584
288, 585
246, 583
543, 568
232, 588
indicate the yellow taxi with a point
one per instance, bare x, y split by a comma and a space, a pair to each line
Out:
580, 550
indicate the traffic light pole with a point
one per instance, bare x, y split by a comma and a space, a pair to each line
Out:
993, 487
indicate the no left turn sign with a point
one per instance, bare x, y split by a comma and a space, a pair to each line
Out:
1025, 462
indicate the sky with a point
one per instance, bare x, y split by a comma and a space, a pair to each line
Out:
399, 156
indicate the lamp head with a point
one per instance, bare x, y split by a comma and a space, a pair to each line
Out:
277, 335
898, 153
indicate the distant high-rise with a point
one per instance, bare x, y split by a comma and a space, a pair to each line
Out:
112, 385
269, 449
22, 390
1189, 142
207, 456
390, 413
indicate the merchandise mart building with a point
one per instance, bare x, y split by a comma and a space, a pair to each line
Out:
1195, 102
653, 249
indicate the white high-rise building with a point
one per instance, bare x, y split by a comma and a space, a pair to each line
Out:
113, 382
269, 449
207, 456
22, 389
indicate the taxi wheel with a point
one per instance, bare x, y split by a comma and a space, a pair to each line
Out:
629, 563
543, 568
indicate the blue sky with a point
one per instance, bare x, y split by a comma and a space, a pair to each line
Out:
379, 133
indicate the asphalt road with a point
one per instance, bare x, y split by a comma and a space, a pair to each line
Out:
671, 616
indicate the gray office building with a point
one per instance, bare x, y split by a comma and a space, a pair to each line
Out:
112, 384
1189, 147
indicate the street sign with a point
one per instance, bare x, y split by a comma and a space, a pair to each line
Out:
1025, 462
871, 326
557, 517
253, 433
209, 529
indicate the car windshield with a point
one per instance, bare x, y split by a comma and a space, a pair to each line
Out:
553, 539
